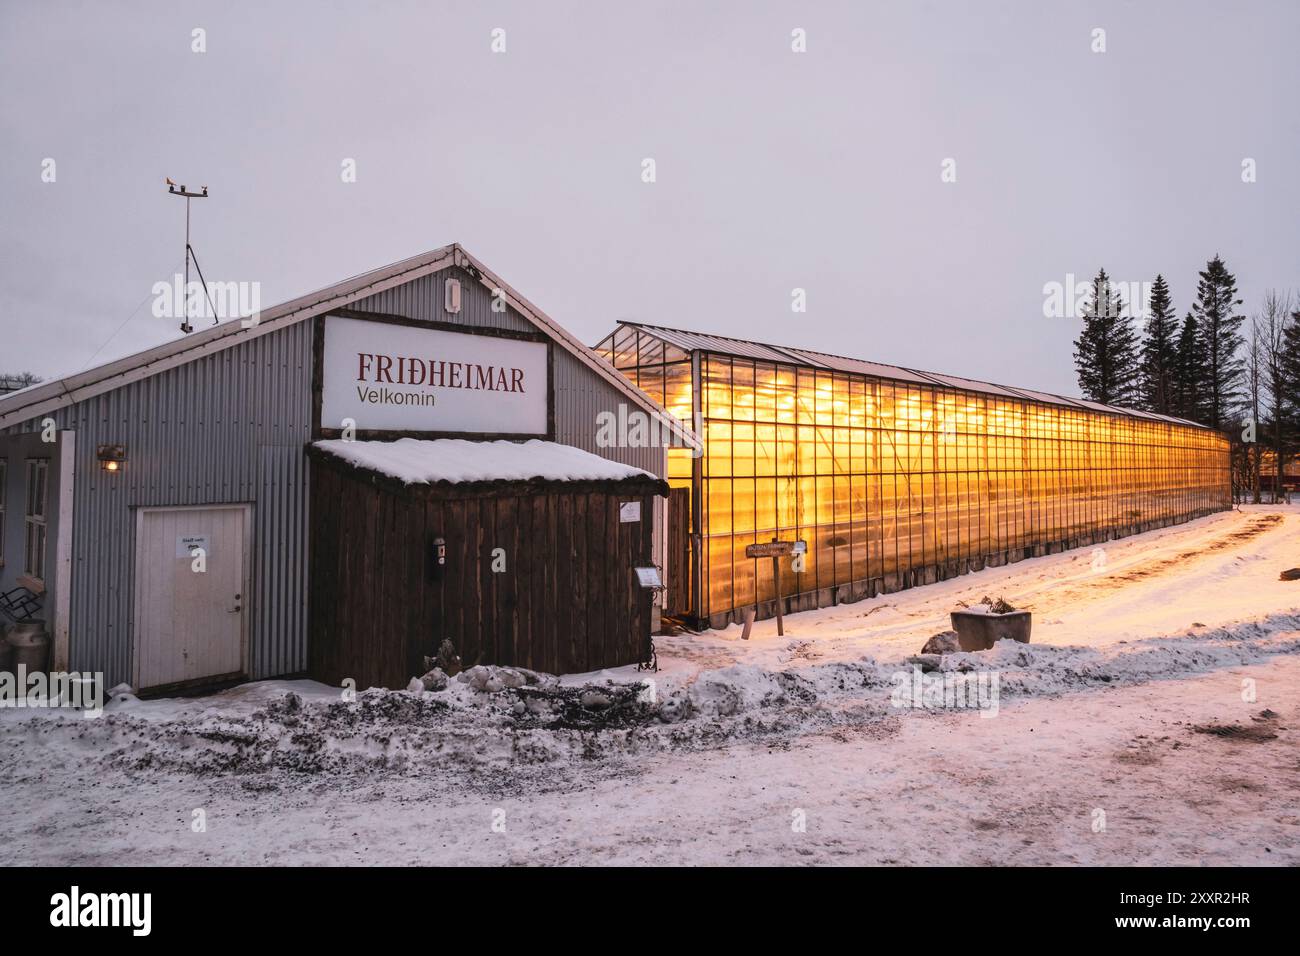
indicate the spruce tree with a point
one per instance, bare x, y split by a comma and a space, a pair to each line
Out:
1291, 357
1289, 414
1159, 350
1188, 366
1272, 324
1106, 351
1219, 331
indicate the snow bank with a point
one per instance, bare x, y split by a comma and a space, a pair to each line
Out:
478, 731
424, 461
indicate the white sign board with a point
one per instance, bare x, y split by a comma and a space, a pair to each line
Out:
629, 511
387, 377
186, 543
649, 578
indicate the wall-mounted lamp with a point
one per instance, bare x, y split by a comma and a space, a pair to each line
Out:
111, 457
451, 295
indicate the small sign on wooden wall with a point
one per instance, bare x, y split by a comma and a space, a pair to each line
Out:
629, 511
649, 578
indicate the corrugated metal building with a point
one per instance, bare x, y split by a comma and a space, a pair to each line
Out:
216, 425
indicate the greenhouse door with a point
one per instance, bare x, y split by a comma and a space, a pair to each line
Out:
679, 552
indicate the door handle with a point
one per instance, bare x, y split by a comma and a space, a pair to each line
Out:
234, 610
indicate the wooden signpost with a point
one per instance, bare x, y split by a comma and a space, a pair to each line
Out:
775, 550
770, 549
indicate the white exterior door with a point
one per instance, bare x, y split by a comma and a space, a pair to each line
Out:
190, 609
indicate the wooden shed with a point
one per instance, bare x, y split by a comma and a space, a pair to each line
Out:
540, 543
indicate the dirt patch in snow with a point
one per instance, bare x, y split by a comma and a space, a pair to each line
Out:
490, 740
619, 707
1258, 525
1262, 729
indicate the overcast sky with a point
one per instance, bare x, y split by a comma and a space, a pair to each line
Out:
775, 170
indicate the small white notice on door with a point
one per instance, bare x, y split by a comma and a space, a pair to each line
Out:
186, 543
629, 511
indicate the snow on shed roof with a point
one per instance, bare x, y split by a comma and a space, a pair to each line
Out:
457, 460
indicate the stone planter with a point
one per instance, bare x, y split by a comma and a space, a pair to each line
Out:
979, 632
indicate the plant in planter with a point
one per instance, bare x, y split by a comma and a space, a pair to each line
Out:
980, 626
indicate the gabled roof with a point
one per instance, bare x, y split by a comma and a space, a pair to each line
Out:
697, 341
704, 342
37, 400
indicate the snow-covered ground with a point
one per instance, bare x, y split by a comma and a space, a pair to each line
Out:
1150, 721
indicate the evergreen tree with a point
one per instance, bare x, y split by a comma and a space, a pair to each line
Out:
1289, 417
1273, 323
1219, 332
1291, 359
1159, 350
1188, 365
1106, 351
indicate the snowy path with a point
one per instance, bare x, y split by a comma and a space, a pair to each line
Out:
1128, 704
954, 788
1214, 571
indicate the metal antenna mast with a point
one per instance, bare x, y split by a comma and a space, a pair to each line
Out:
189, 254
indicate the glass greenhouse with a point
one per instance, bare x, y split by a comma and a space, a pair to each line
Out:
893, 477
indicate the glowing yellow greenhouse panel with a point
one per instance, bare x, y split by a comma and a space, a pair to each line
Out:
895, 481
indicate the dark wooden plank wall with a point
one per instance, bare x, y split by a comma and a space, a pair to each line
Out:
567, 602
679, 551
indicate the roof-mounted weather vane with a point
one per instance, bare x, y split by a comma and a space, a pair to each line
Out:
176, 190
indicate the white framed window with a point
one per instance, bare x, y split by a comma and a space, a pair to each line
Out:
35, 519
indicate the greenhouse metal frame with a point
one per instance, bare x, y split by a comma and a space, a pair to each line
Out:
894, 477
